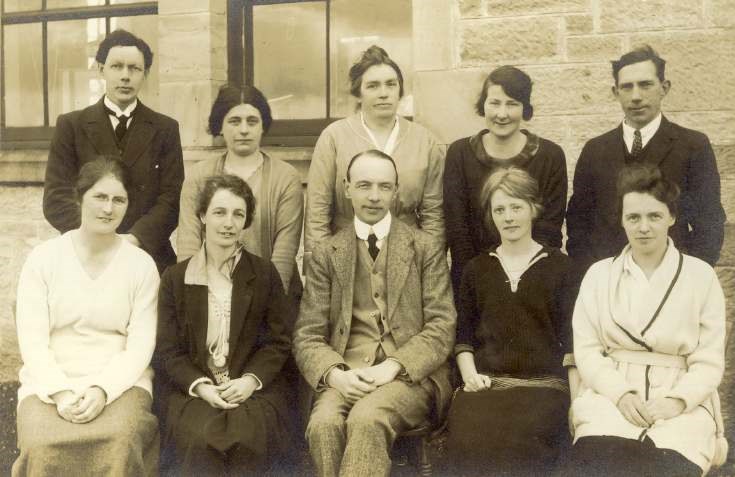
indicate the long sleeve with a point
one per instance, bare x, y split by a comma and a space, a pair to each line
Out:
289, 215
467, 313
155, 226
580, 211
706, 363
430, 210
126, 367
424, 352
708, 216
33, 324
312, 350
597, 371
320, 205
60, 206
547, 227
189, 233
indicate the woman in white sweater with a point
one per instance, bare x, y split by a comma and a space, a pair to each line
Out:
649, 341
86, 320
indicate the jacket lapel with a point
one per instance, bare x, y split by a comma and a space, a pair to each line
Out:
197, 307
97, 127
242, 296
140, 134
400, 257
343, 260
661, 143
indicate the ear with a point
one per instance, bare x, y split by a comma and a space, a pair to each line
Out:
347, 187
665, 86
614, 90
202, 220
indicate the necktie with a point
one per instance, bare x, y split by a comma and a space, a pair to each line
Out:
122, 125
637, 144
373, 246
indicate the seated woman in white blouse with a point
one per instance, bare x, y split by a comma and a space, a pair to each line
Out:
86, 320
649, 345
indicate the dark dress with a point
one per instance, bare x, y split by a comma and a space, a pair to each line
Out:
468, 166
519, 338
200, 439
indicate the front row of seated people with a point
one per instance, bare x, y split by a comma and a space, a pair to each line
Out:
375, 329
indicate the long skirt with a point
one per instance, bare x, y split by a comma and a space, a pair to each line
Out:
122, 441
253, 438
509, 431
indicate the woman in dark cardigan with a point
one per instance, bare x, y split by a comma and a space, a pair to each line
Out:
223, 337
505, 100
513, 330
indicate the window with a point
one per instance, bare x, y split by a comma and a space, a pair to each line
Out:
48, 67
299, 54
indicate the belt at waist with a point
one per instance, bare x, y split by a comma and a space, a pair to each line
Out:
648, 358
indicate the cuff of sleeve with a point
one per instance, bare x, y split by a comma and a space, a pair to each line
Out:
463, 348
323, 380
257, 380
402, 372
568, 361
689, 401
203, 379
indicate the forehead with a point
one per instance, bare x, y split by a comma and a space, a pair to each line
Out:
225, 198
243, 111
372, 169
643, 71
125, 54
381, 72
109, 184
641, 202
501, 197
495, 91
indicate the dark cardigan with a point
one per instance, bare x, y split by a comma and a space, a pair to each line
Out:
464, 175
525, 333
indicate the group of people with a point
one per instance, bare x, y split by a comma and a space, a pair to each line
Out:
615, 373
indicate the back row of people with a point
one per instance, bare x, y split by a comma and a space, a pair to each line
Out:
224, 322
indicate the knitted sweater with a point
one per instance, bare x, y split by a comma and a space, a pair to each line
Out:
524, 333
464, 175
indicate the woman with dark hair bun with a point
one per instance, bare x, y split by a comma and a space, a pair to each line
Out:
241, 115
649, 348
504, 102
86, 319
223, 338
377, 83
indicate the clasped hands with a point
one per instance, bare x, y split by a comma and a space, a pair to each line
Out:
227, 395
646, 414
354, 384
80, 408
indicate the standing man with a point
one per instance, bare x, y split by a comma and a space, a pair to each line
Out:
375, 329
119, 126
684, 156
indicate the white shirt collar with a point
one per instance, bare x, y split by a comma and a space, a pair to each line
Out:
647, 132
390, 144
116, 109
380, 229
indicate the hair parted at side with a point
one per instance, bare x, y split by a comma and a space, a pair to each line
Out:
230, 96
124, 38
374, 55
372, 153
94, 171
646, 179
640, 54
515, 182
231, 183
515, 83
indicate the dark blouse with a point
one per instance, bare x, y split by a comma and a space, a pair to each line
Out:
524, 333
468, 166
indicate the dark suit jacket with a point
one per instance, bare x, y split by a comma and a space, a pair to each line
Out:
153, 161
420, 310
260, 331
684, 156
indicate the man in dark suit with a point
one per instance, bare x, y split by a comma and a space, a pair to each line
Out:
120, 126
683, 155
375, 329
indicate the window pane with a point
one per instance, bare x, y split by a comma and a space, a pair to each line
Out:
51, 4
73, 80
23, 75
355, 26
145, 27
21, 5
289, 56
127, 1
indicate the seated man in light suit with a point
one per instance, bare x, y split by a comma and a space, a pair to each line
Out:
375, 329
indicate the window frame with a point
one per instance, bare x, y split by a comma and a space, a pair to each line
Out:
39, 137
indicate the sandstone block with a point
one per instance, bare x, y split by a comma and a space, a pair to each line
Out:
174, 7
727, 280
720, 13
727, 254
725, 155
635, 15
527, 40
593, 48
433, 35
502, 8
728, 198
471, 8
572, 89
584, 128
186, 47
190, 104
578, 24
717, 125
553, 128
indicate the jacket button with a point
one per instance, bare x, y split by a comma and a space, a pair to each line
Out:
341, 330
377, 295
